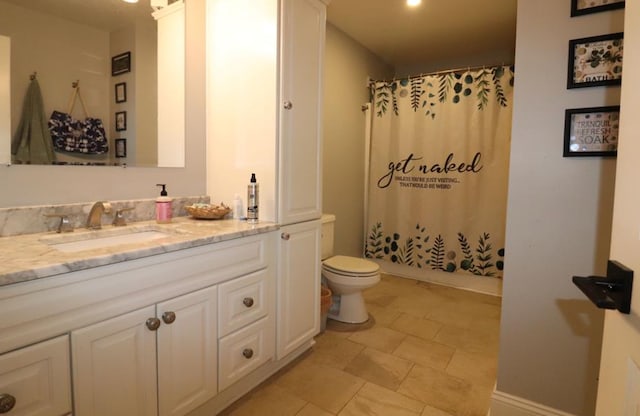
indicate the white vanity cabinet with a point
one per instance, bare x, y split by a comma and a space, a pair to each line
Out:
116, 365
265, 61
35, 380
159, 335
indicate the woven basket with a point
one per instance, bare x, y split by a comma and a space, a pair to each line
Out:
208, 212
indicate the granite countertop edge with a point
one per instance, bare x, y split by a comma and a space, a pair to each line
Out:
29, 257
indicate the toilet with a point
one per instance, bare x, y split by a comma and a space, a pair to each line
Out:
347, 277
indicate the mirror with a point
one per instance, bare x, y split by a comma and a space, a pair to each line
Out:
105, 54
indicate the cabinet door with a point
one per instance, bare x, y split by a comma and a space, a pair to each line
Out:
298, 286
114, 366
302, 54
37, 379
187, 351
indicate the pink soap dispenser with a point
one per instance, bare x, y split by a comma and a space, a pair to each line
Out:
163, 206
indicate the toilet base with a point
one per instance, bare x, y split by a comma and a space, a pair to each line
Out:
350, 308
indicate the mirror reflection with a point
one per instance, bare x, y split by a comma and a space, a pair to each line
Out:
83, 82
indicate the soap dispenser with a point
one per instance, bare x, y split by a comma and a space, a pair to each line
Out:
163, 206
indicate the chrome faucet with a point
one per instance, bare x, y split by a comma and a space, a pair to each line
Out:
94, 220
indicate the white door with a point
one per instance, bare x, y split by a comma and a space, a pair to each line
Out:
619, 381
187, 352
298, 286
300, 113
114, 366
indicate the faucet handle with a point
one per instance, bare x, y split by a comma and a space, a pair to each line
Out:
65, 225
118, 217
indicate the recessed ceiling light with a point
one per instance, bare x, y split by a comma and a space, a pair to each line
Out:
130, 1
413, 3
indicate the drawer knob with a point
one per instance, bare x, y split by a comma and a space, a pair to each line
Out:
7, 402
248, 302
285, 236
169, 317
247, 352
153, 323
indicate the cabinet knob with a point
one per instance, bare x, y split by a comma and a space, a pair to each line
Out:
169, 317
285, 236
248, 302
288, 105
153, 323
7, 402
248, 353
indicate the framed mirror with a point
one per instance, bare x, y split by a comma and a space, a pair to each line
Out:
68, 47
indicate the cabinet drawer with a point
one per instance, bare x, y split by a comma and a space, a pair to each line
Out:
38, 378
245, 350
243, 300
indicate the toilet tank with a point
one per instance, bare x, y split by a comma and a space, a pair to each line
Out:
328, 221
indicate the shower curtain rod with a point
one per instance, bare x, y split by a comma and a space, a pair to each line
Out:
444, 71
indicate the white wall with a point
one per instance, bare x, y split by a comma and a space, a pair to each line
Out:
558, 219
622, 332
37, 185
347, 66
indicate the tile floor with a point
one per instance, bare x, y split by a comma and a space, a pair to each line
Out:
432, 351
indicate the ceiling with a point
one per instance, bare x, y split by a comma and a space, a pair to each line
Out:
437, 30
103, 14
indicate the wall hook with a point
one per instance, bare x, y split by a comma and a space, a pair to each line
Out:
33, 76
611, 292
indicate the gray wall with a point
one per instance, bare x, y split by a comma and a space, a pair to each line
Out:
558, 219
40, 185
347, 66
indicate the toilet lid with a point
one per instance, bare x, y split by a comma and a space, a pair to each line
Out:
351, 265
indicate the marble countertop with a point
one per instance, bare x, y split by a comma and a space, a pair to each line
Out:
34, 256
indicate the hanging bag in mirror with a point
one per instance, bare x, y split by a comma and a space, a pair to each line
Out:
78, 136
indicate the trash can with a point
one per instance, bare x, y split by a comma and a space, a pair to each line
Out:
325, 305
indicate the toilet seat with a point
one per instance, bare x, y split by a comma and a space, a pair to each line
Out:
350, 266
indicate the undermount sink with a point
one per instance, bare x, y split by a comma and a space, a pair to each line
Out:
90, 240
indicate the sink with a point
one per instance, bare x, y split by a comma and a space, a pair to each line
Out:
91, 240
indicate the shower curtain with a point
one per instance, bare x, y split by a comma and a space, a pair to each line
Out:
438, 171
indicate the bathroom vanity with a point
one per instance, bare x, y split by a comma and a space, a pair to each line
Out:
182, 324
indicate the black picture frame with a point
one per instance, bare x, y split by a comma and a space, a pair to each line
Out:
121, 148
121, 64
578, 9
595, 61
121, 121
591, 131
121, 92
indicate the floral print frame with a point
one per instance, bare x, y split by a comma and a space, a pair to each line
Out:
595, 61
582, 7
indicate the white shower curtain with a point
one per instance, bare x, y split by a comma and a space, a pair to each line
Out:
439, 170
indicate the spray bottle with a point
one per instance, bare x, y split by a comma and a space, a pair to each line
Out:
252, 200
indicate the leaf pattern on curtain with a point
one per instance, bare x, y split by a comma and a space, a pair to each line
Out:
428, 90
417, 252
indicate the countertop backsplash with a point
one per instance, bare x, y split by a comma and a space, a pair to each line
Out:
32, 219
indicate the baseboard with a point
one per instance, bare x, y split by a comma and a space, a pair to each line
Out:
503, 404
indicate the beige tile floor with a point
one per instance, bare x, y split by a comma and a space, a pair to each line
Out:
432, 351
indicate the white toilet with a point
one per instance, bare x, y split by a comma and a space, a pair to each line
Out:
347, 277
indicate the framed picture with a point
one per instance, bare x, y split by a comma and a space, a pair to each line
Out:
121, 147
121, 64
581, 7
591, 131
121, 92
595, 61
121, 120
